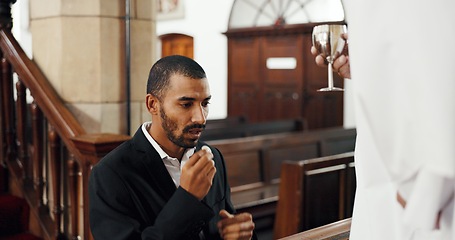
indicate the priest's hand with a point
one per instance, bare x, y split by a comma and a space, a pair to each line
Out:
402, 202
341, 64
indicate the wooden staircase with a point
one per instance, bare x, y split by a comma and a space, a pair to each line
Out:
14, 218
46, 153
14, 213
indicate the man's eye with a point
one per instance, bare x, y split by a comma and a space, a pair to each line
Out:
186, 105
205, 104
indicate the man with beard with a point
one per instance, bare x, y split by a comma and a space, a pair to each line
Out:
164, 183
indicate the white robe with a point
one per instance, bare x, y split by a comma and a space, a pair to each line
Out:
402, 55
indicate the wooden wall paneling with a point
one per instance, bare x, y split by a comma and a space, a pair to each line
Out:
282, 46
322, 110
243, 79
244, 101
281, 88
263, 94
279, 103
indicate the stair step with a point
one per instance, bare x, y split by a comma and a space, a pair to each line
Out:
20, 236
14, 218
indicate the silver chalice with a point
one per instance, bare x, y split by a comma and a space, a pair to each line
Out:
327, 39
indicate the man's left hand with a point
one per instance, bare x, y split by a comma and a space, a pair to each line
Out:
234, 227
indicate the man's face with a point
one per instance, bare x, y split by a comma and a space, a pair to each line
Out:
184, 110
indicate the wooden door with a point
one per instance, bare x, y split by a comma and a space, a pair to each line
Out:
176, 44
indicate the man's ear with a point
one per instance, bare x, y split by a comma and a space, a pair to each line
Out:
152, 104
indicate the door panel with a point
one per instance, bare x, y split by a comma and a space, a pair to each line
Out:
176, 44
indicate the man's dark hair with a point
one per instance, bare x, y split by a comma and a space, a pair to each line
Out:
164, 68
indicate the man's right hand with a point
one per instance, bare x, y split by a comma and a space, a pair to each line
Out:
198, 173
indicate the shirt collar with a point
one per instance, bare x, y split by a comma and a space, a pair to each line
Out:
145, 126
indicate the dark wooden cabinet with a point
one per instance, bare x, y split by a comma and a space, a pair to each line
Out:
263, 94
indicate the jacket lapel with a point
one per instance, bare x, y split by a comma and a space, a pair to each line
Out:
161, 180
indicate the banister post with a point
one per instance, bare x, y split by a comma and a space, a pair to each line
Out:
6, 20
93, 147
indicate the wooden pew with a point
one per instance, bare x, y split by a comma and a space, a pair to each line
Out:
314, 192
254, 163
339, 230
230, 129
265, 153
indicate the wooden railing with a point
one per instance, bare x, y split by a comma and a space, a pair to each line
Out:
339, 230
48, 153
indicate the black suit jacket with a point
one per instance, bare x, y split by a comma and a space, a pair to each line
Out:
132, 196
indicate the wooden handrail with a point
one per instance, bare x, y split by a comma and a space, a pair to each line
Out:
44, 94
80, 150
339, 230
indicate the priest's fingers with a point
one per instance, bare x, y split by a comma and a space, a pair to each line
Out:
341, 66
319, 59
401, 200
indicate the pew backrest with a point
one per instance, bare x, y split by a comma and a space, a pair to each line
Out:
219, 129
314, 192
255, 161
253, 165
310, 144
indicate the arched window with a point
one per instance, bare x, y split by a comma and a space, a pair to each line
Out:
257, 13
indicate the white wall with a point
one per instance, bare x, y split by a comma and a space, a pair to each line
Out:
21, 26
205, 21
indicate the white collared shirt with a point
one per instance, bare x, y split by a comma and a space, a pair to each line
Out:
173, 165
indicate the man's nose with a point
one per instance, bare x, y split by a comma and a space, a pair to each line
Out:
199, 115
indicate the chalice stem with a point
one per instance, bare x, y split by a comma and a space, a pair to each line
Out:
330, 81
